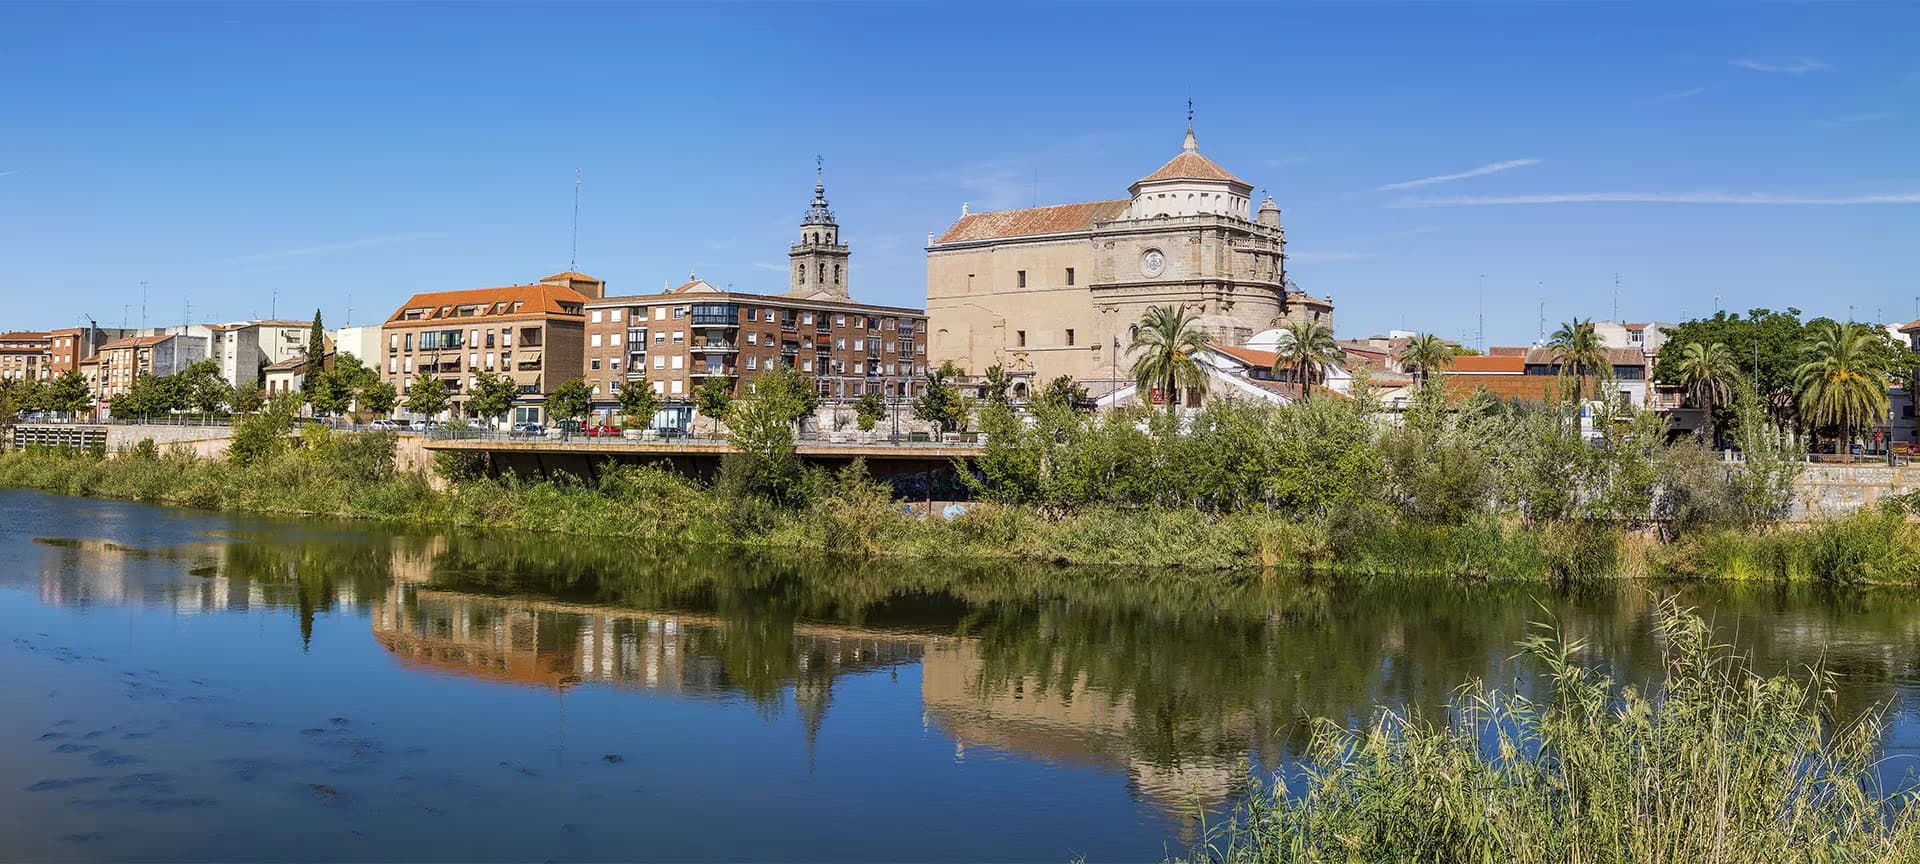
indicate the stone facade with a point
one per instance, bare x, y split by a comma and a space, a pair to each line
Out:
1057, 290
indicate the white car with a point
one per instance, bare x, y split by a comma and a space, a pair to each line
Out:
386, 426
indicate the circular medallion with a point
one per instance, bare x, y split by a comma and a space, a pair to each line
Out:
1152, 263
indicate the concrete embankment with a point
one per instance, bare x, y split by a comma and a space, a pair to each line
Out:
1825, 491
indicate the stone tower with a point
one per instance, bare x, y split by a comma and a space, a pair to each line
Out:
819, 260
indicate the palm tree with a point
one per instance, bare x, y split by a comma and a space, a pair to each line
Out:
1167, 342
1578, 350
1307, 349
1709, 373
1428, 354
1839, 383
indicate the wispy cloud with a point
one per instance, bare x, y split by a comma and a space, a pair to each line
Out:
1742, 198
1851, 119
1677, 95
1798, 66
769, 266
8, 173
1481, 171
1013, 180
324, 248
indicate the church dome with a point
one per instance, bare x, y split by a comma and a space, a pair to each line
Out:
1190, 165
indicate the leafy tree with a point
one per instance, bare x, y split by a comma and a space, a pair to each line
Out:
760, 427
1306, 349
316, 339
1061, 392
1166, 342
427, 396
327, 390
210, 394
1709, 374
34, 395
262, 436
570, 401
67, 394
1842, 383
940, 402
869, 408
247, 398
378, 398
714, 397
492, 395
1576, 347
1767, 344
639, 403
1428, 354
996, 386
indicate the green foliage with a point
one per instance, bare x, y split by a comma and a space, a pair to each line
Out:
316, 347
1427, 354
247, 398
1843, 383
1712, 762
1063, 393
379, 398
492, 395
1577, 348
639, 403
262, 436
940, 402
1710, 374
427, 395
868, 409
995, 385
714, 396
1305, 351
67, 394
570, 401
760, 426
1778, 337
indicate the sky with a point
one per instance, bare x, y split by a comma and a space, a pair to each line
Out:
1434, 163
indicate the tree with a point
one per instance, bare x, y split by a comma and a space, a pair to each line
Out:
427, 396
639, 403
316, 340
570, 401
1167, 343
940, 403
1842, 386
210, 394
1576, 346
1768, 345
1306, 349
994, 389
1709, 374
869, 408
67, 394
378, 398
1427, 354
326, 389
247, 398
760, 427
714, 397
1061, 392
492, 395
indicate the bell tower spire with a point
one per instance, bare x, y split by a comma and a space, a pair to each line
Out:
819, 260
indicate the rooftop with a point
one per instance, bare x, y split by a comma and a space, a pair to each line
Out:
1469, 365
536, 299
1033, 221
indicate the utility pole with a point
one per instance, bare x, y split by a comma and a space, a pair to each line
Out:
1542, 285
273, 306
143, 304
1480, 342
573, 257
1616, 297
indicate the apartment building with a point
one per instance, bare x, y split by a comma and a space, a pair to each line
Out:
26, 356
532, 333
245, 349
72, 345
123, 360
681, 337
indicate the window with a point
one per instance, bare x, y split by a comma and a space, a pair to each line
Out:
806, 365
768, 316
613, 384
594, 364
659, 387
390, 366
1020, 338
1069, 275
677, 361
1069, 335
614, 364
613, 315
659, 337
840, 343
506, 338
836, 274
659, 361
839, 320
409, 341
613, 339
1022, 277
859, 344
659, 313
920, 348
595, 317
594, 340
679, 312
753, 362
806, 317
473, 360
679, 385
753, 338
679, 337
393, 341
409, 365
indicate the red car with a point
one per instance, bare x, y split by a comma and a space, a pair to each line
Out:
602, 431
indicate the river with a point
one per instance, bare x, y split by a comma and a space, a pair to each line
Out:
183, 685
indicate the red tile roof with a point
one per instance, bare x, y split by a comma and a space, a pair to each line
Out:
537, 299
569, 276
1487, 365
1191, 166
1032, 221
1615, 356
24, 336
1507, 351
1910, 327
135, 342
1249, 356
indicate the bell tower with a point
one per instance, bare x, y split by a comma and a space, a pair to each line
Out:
819, 260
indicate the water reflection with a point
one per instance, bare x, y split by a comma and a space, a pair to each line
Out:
1178, 684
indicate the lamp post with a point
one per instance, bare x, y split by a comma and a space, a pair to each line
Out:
1113, 374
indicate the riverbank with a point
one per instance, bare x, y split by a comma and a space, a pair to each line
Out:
352, 477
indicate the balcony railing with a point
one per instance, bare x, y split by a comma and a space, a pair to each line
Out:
715, 319
714, 346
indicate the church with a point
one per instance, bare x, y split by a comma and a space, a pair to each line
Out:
1057, 290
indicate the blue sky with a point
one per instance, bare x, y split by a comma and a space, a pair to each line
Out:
1766, 155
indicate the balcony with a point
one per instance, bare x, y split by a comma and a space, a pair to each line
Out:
716, 315
789, 348
710, 371
636, 335
713, 346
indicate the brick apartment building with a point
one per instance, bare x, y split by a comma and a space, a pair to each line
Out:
123, 360
26, 356
532, 333
681, 337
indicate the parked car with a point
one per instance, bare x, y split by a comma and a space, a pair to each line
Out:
530, 430
388, 425
602, 431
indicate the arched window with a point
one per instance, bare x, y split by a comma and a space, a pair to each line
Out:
836, 274
800, 273
823, 274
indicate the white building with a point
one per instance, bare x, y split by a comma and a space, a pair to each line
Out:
361, 342
244, 349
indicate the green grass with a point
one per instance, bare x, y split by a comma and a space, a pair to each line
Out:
1714, 763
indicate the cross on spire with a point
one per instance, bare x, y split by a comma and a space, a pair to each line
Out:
1189, 112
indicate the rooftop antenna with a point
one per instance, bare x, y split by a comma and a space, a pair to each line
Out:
1542, 285
1480, 342
347, 321
1616, 296
573, 257
143, 304
273, 306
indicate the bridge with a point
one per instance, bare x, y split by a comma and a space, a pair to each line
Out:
926, 461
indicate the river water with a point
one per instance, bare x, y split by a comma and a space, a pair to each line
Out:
191, 686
